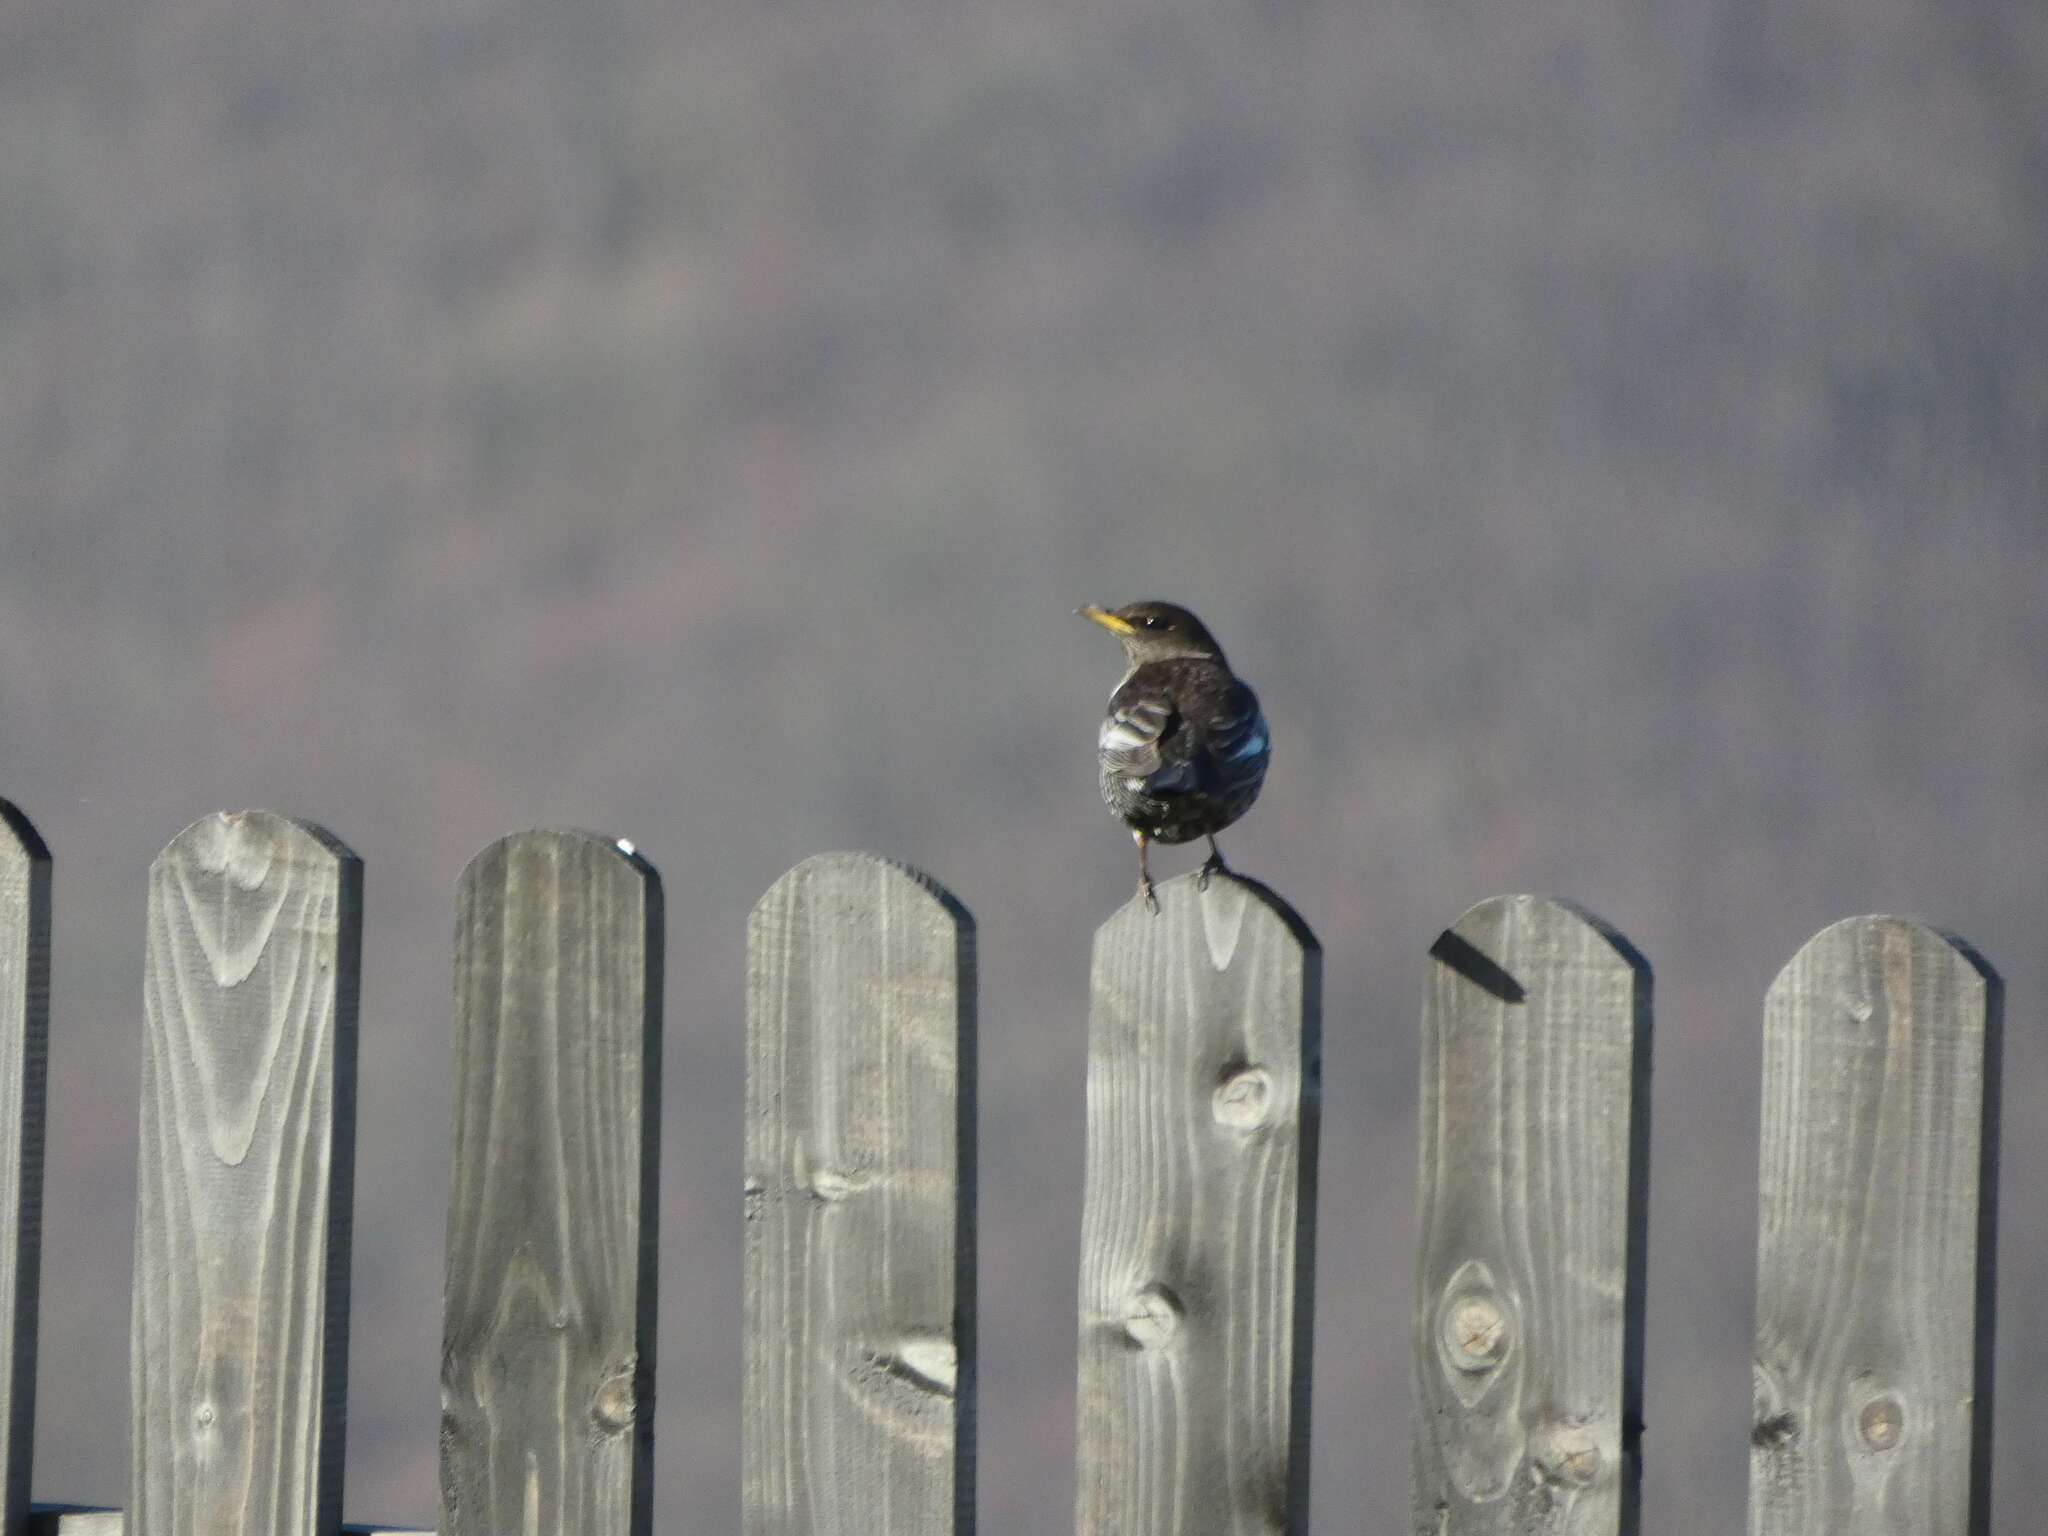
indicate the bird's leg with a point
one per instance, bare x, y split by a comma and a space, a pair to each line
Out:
1212, 863
1144, 872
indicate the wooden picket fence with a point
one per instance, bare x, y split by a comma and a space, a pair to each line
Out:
1874, 1307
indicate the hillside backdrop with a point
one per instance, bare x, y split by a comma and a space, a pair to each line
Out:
1610, 434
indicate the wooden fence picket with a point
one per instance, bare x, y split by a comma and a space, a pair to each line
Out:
24, 1042
858, 1406
239, 1353
1198, 1224
75, 1520
1876, 1249
547, 1360
1534, 1134
1878, 1201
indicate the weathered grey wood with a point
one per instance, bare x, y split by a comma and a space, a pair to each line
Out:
1534, 1180
68, 1520
56, 1520
24, 1048
547, 1364
1877, 1208
1198, 1223
75, 1522
239, 1350
859, 1395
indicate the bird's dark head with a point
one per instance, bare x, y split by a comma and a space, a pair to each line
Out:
1155, 631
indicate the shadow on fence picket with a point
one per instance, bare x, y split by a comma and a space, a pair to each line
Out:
1876, 1239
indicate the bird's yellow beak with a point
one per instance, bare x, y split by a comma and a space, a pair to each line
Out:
1107, 619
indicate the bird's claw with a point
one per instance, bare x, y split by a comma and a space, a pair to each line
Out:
1212, 865
1151, 897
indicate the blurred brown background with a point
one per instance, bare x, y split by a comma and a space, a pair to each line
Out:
1610, 433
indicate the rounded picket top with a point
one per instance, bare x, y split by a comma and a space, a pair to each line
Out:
1197, 1272
1534, 1136
558, 971
859, 947
561, 896
1872, 949
559, 846
858, 1399
250, 981
233, 881
837, 886
1528, 924
20, 844
24, 921
593, 892
243, 846
1877, 1201
1220, 906
24, 1056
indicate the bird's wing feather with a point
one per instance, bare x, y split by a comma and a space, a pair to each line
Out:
1145, 743
1129, 741
1237, 745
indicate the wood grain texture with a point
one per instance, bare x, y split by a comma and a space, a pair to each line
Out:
57, 1521
547, 1365
1198, 1223
1534, 1132
24, 1051
859, 1394
239, 1353
70, 1520
1875, 1251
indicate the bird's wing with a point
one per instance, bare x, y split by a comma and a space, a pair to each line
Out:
1236, 741
1133, 742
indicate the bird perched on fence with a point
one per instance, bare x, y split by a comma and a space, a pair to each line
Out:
1183, 749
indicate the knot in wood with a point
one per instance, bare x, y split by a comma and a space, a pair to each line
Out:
1244, 1099
930, 1363
1475, 1328
1779, 1429
613, 1406
1882, 1422
1152, 1316
831, 1185
1571, 1459
1475, 1333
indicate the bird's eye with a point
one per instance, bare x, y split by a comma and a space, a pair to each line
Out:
1154, 621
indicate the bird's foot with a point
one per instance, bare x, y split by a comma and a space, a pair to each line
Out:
1151, 897
1210, 866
